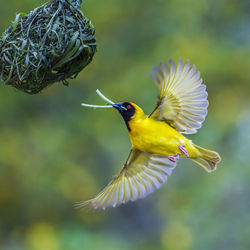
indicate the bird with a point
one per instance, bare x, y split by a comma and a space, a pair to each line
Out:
157, 139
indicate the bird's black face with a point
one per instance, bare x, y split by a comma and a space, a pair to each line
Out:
127, 110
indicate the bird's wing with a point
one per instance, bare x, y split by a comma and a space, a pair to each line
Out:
142, 173
183, 98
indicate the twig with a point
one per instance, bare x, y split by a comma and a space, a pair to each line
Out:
104, 97
96, 106
110, 103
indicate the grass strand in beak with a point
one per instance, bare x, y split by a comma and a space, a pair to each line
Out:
109, 102
96, 106
104, 97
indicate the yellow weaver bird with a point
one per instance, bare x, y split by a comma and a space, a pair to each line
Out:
157, 140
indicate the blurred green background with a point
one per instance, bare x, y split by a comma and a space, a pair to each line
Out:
53, 152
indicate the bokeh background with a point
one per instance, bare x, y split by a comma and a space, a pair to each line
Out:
53, 152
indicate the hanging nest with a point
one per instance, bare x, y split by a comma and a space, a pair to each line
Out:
52, 43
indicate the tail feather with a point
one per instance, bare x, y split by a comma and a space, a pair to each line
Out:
208, 160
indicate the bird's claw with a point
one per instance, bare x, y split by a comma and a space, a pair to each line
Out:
183, 150
174, 158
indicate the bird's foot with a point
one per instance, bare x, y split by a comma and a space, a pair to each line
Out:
183, 150
174, 158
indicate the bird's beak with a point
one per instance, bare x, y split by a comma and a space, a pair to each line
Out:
119, 107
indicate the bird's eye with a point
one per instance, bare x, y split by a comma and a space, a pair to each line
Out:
128, 107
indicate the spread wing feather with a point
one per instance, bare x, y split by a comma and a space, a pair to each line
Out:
183, 98
141, 175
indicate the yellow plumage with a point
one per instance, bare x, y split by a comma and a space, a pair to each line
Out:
157, 142
149, 135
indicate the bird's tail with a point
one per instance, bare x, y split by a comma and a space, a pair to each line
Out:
208, 160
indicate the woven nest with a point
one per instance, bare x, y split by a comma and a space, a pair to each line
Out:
50, 44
